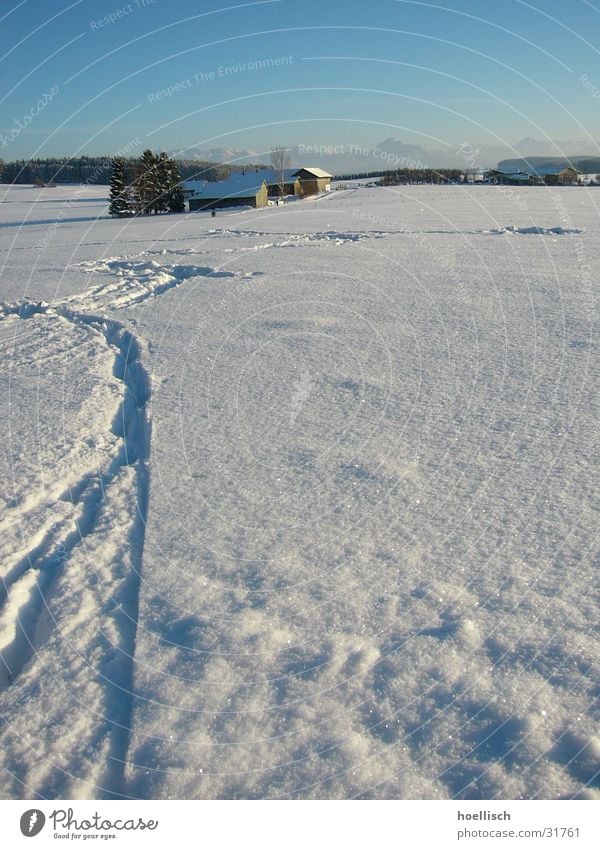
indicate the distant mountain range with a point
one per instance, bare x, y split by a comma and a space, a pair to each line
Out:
341, 160
344, 159
228, 155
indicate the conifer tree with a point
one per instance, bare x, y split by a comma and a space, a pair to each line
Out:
176, 197
120, 203
163, 183
146, 184
169, 194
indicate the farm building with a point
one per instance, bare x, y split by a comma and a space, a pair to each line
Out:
590, 179
511, 178
241, 189
254, 188
548, 175
313, 180
299, 182
553, 176
291, 184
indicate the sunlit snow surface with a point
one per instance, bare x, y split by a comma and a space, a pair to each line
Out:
301, 502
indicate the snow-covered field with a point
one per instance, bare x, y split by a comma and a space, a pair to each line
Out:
301, 502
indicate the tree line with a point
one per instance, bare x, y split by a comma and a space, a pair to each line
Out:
414, 176
95, 170
400, 176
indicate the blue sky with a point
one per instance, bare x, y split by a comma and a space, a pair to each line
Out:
323, 73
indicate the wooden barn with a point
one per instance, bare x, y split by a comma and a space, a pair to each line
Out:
254, 188
298, 182
291, 185
241, 189
313, 181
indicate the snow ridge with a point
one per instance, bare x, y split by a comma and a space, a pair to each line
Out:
29, 584
138, 281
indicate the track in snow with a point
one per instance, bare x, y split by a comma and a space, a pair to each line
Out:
30, 582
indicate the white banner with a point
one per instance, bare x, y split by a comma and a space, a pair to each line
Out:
302, 825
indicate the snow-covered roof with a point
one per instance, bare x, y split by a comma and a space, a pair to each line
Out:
513, 175
239, 184
272, 176
316, 172
245, 183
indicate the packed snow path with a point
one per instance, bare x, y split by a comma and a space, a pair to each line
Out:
370, 541
49, 602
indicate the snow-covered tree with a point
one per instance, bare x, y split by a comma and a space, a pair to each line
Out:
120, 200
170, 194
146, 187
163, 183
176, 197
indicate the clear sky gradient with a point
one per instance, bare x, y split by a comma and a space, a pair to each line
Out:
172, 73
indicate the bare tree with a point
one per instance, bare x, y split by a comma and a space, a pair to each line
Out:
280, 162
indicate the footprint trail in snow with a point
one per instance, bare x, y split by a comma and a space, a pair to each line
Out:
73, 530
